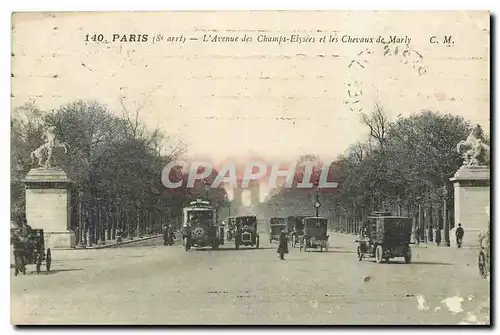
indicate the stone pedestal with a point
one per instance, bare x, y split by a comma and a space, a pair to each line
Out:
48, 200
472, 198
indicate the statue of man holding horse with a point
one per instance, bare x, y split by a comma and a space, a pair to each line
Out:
474, 150
51, 142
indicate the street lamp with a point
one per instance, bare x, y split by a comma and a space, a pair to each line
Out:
446, 223
421, 229
207, 188
81, 228
317, 204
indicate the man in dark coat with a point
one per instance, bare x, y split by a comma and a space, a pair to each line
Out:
459, 234
168, 234
417, 234
283, 245
438, 236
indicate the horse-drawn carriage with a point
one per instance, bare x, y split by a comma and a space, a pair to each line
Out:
315, 234
30, 250
384, 237
276, 225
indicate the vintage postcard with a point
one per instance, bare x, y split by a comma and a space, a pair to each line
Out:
250, 168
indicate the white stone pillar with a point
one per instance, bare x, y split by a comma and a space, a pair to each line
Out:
48, 200
472, 196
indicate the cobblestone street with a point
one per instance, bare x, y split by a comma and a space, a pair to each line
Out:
148, 283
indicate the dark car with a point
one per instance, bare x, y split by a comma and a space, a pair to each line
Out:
246, 231
276, 225
315, 234
296, 228
384, 237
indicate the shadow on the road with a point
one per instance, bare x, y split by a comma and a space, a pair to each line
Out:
45, 272
231, 249
53, 272
423, 263
402, 262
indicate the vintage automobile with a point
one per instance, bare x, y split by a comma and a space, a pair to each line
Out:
200, 228
483, 261
31, 252
276, 225
246, 231
384, 237
295, 228
315, 234
231, 228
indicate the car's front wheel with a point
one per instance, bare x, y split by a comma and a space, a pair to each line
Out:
379, 254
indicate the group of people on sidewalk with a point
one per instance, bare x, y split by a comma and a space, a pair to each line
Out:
459, 235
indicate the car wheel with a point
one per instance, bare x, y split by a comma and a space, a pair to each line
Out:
48, 260
379, 254
360, 254
39, 258
408, 256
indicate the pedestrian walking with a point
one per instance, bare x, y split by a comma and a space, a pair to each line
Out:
459, 235
119, 236
417, 234
438, 236
283, 245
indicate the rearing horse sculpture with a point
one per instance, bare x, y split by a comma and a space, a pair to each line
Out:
476, 151
51, 143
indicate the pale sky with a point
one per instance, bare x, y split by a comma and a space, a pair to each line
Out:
229, 100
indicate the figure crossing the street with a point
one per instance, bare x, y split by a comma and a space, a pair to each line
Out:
119, 236
283, 245
168, 234
417, 234
459, 235
438, 236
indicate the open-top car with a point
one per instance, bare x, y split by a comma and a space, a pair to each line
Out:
295, 228
276, 225
246, 231
231, 228
31, 251
384, 237
200, 228
315, 234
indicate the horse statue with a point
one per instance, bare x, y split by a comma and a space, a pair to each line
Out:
474, 151
51, 143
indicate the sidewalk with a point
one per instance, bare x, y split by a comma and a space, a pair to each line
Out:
109, 244
346, 240
112, 243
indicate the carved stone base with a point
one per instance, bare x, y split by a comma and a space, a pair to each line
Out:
48, 200
472, 198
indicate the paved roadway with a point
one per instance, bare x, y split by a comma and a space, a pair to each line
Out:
153, 284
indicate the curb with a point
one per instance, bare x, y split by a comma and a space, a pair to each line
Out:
114, 244
106, 246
